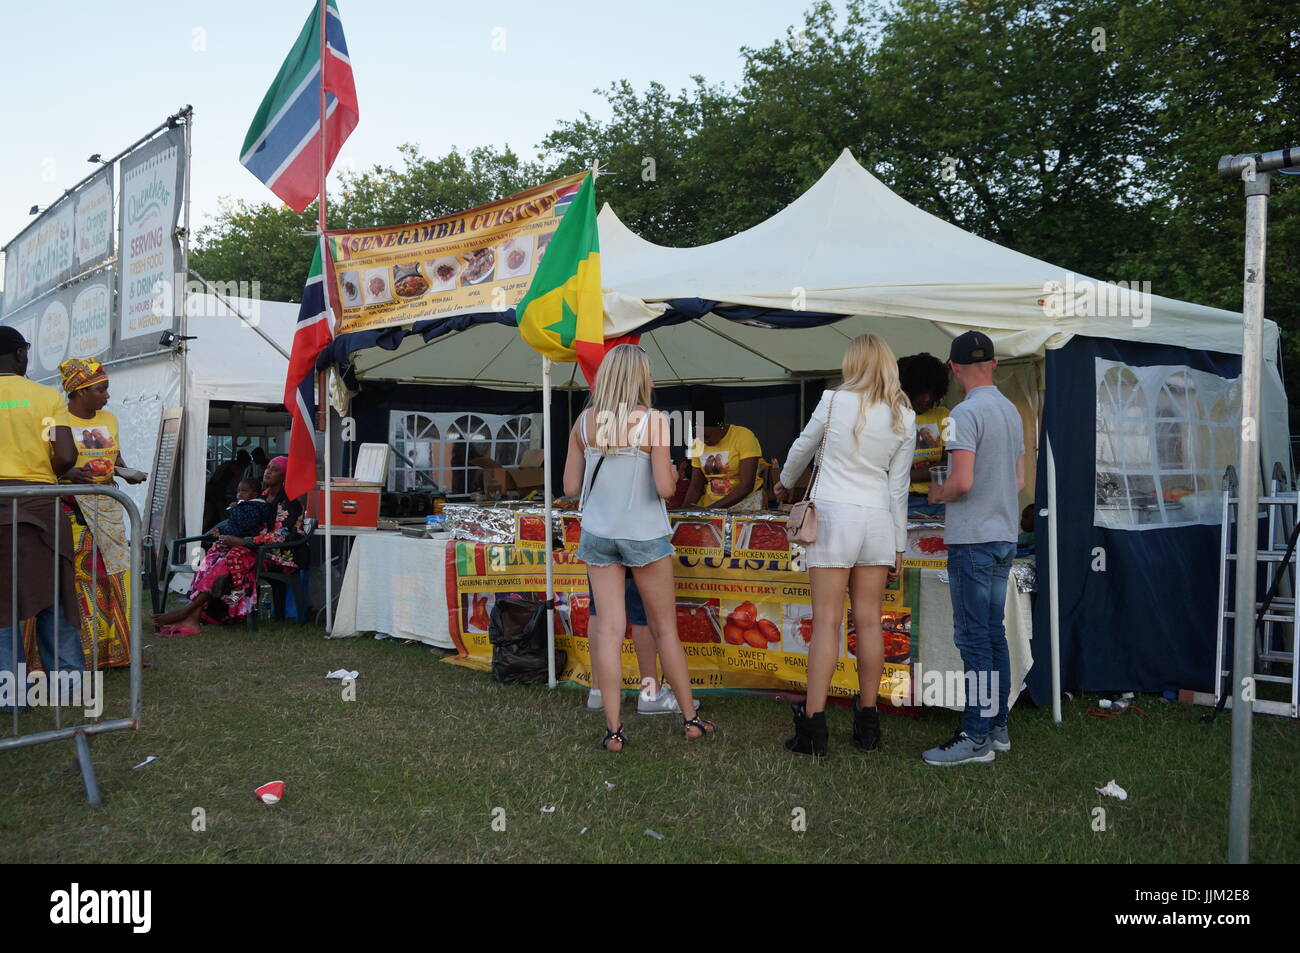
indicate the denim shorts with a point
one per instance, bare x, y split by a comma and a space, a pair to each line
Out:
598, 551
631, 602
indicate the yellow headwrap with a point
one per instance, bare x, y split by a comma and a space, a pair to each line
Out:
81, 372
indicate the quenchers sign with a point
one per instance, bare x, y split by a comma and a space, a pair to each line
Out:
152, 182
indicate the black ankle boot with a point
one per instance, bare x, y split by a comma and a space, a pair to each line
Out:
866, 727
809, 733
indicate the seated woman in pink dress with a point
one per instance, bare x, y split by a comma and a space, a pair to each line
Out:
223, 589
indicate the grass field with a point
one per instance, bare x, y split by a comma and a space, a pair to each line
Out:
414, 768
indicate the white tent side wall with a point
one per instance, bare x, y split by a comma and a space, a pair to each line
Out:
229, 361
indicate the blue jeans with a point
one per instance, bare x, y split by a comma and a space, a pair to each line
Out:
920, 504
631, 601
69, 658
977, 580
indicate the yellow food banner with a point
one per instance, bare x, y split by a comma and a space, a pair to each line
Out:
744, 622
479, 260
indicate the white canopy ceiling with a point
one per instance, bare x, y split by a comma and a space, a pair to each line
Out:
848, 246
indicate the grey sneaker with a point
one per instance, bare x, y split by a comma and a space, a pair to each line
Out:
999, 738
959, 749
663, 703
594, 701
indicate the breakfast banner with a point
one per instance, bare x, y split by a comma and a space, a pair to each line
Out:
479, 260
74, 321
744, 623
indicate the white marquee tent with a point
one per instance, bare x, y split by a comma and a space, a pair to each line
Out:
226, 361
849, 245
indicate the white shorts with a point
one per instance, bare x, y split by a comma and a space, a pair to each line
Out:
850, 535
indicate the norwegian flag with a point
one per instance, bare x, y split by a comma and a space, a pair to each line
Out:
283, 144
313, 334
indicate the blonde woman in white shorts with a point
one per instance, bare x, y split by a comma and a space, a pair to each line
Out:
861, 503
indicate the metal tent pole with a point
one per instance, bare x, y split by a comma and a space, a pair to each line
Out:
1053, 585
1243, 655
550, 554
1254, 171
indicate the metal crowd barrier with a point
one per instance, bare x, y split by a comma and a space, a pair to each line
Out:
79, 734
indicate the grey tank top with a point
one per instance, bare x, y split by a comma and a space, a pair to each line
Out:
623, 502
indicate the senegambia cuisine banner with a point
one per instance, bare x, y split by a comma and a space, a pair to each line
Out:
480, 260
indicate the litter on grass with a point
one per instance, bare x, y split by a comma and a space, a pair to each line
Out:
1113, 790
609, 786
342, 673
550, 809
272, 792
655, 834
148, 760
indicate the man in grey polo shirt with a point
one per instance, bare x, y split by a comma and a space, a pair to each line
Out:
986, 472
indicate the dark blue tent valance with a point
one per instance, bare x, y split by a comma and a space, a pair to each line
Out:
679, 311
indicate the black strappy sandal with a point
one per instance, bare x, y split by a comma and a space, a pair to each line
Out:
614, 736
706, 728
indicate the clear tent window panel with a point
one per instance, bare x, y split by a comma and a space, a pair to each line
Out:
1165, 435
446, 450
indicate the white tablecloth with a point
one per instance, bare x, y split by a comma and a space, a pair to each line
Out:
938, 653
396, 585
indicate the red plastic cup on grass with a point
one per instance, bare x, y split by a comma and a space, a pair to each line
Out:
272, 792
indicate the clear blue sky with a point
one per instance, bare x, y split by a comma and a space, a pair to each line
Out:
84, 77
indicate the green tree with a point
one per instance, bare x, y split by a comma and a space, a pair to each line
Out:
270, 244
1224, 79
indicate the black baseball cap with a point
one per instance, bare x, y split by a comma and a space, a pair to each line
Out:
972, 347
10, 340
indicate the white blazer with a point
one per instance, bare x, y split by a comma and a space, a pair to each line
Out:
875, 472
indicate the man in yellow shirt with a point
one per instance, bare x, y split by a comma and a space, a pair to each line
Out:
924, 379
34, 450
725, 462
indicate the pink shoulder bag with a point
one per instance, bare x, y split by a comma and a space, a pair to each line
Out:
801, 526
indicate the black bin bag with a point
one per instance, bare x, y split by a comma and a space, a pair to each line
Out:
517, 631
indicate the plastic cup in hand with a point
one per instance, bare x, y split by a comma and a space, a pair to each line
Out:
938, 475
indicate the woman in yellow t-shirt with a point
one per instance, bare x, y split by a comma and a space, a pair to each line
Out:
725, 463
101, 584
924, 379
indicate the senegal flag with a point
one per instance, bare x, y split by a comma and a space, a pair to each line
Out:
562, 316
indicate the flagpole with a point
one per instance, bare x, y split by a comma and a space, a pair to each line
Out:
550, 538
329, 312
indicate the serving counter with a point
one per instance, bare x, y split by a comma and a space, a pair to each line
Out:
744, 610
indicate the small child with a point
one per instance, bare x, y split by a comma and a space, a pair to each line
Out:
248, 515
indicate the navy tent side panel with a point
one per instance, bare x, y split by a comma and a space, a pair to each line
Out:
1147, 623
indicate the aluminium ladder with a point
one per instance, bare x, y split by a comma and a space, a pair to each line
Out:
1276, 648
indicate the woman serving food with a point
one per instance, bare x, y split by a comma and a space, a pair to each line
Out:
725, 462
